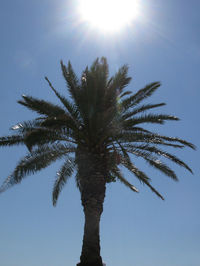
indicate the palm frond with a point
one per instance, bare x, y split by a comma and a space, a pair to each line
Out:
173, 158
141, 109
117, 173
125, 93
126, 161
134, 129
63, 175
140, 95
71, 80
150, 118
40, 106
44, 136
125, 137
71, 108
121, 79
11, 140
174, 139
35, 161
142, 177
155, 162
62, 121
100, 72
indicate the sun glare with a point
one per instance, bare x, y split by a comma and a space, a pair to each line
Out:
108, 15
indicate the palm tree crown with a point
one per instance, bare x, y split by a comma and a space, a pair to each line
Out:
101, 118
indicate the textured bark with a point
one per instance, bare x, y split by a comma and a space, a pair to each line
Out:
92, 184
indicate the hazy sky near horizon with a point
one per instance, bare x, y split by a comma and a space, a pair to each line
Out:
163, 44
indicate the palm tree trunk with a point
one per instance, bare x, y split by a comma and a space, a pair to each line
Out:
92, 184
90, 255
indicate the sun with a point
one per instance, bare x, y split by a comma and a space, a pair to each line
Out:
108, 15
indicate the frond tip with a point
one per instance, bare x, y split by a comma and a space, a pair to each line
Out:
11, 140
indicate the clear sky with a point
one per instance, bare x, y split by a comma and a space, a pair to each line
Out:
163, 44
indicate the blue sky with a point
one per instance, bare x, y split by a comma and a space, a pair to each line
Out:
136, 229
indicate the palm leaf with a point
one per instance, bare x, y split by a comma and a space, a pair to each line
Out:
121, 79
150, 118
11, 140
42, 107
62, 176
140, 95
117, 173
73, 111
140, 175
125, 160
71, 80
44, 136
141, 109
35, 161
153, 138
61, 121
125, 93
165, 154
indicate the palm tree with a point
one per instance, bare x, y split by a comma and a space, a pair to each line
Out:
95, 133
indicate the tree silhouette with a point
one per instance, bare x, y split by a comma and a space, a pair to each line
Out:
94, 133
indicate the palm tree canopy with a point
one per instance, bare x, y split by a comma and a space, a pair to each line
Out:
100, 118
